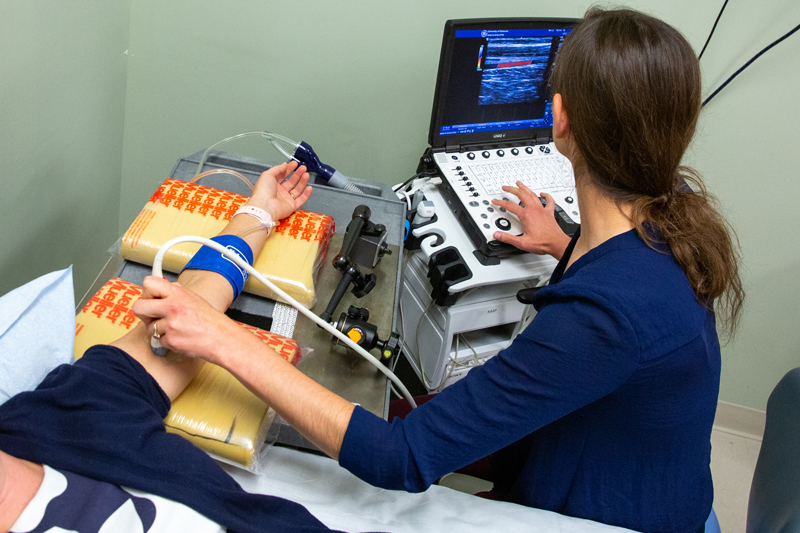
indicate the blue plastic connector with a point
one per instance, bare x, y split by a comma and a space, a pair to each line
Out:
305, 155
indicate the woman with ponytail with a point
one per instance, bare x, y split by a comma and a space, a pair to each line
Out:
627, 92
602, 407
653, 267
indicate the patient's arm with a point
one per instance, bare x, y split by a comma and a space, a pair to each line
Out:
193, 327
280, 199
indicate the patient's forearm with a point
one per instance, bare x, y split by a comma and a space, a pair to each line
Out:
173, 376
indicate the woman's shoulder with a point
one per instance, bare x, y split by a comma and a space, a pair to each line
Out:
622, 265
646, 285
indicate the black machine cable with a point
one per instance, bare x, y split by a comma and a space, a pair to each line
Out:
707, 100
714, 27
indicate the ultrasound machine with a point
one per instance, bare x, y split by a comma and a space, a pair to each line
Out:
491, 126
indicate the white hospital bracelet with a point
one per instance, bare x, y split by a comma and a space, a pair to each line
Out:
264, 217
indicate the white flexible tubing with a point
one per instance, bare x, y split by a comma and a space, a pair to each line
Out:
159, 259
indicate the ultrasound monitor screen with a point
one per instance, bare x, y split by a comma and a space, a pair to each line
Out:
495, 79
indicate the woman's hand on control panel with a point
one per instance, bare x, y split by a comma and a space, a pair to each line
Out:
281, 190
541, 234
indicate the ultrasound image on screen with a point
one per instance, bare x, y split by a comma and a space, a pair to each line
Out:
514, 69
495, 79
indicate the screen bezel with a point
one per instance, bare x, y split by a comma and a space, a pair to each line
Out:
445, 65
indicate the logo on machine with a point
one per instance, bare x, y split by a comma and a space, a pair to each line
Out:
499, 135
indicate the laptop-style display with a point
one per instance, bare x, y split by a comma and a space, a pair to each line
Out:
491, 123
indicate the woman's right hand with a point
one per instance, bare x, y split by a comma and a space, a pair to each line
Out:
186, 323
542, 234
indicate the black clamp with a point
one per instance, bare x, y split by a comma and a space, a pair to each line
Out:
362, 283
355, 324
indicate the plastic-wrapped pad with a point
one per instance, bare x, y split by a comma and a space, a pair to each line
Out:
215, 411
107, 315
291, 257
218, 414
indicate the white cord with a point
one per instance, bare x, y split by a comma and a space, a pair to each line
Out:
474, 353
294, 303
408, 199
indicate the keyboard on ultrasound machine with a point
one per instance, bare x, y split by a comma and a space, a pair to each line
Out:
472, 179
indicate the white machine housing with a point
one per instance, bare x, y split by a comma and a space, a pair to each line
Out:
439, 341
486, 317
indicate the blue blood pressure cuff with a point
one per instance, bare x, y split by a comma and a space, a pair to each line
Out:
209, 259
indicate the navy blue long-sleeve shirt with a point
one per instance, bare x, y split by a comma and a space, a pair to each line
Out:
607, 398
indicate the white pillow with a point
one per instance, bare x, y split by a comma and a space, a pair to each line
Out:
37, 331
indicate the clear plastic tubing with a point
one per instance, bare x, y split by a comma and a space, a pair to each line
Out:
159, 259
273, 138
338, 179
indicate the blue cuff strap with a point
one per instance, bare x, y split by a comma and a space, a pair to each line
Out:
209, 259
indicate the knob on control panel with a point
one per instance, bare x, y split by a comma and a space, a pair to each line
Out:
485, 154
503, 223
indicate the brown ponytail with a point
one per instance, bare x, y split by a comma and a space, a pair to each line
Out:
630, 85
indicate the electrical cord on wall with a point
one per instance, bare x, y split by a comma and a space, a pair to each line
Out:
762, 52
714, 27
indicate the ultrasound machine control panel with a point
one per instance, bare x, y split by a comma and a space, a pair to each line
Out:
491, 124
475, 179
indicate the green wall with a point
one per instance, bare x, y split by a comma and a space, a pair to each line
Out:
747, 149
354, 79
62, 100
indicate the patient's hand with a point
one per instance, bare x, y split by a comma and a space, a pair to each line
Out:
281, 190
542, 234
187, 323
